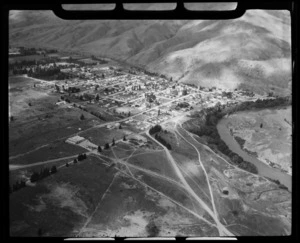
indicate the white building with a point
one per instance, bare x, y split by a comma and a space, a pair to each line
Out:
75, 140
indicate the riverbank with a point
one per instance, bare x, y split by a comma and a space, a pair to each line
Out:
207, 128
265, 134
262, 168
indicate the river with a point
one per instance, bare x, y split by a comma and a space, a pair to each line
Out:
263, 169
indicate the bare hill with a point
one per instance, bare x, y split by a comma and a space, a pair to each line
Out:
253, 51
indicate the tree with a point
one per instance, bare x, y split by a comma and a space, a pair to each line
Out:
67, 164
82, 117
120, 127
75, 161
34, 177
152, 229
40, 233
106, 146
46, 172
99, 149
124, 138
113, 142
53, 169
81, 157
29, 104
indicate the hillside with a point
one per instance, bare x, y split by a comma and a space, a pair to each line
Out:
253, 51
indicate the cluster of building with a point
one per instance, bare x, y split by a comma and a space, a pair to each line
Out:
157, 98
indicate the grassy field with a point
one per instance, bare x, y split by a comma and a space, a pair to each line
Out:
266, 134
85, 199
155, 161
60, 202
27, 58
140, 206
52, 151
42, 122
101, 136
63, 122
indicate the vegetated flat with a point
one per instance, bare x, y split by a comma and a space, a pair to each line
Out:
102, 135
25, 58
25, 173
52, 151
60, 202
267, 134
241, 197
37, 120
84, 199
141, 207
155, 161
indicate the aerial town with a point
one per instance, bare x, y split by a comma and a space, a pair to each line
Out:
92, 126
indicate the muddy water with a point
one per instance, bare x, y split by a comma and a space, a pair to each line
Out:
263, 169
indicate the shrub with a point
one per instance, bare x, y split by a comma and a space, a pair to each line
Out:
34, 177
152, 229
53, 169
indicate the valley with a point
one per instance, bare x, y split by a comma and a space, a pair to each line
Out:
150, 128
130, 124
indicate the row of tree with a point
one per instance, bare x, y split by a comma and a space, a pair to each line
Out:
163, 141
106, 146
81, 157
17, 186
36, 176
52, 73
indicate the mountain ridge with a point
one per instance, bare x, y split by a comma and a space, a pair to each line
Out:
253, 51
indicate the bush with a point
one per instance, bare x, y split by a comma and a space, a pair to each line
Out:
81, 157
34, 177
163, 142
53, 169
155, 129
152, 229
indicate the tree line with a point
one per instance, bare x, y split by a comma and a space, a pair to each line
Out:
155, 130
48, 73
36, 176
163, 141
213, 115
